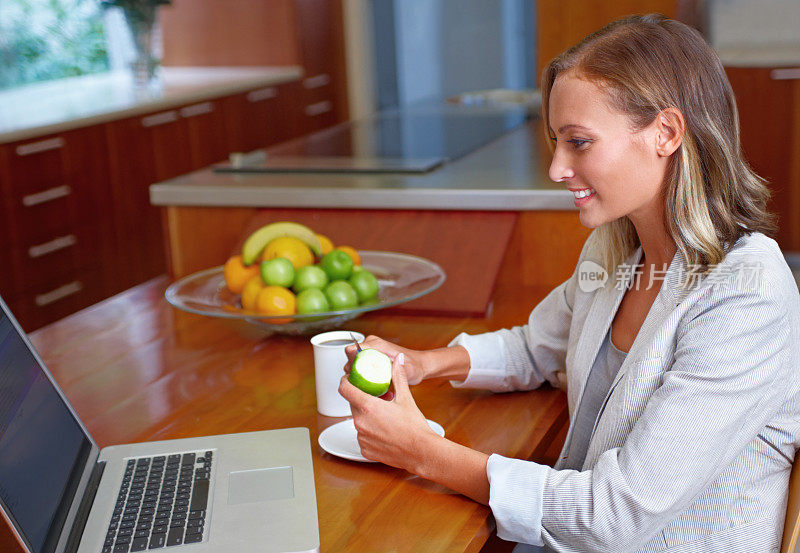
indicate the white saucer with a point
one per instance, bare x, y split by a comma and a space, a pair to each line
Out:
341, 440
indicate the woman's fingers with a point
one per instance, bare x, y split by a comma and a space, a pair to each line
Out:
356, 397
399, 379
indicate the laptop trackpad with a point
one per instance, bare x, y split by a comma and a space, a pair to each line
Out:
249, 486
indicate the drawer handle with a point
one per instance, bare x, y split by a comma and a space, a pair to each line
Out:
160, 119
40, 146
52, 246
262, 94
197, 109
47, 196
59, 293
785, 74
319, 108
316, 81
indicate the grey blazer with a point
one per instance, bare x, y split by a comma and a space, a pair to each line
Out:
692, 448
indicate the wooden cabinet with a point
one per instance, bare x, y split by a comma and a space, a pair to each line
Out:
143, 150
147, 149
321, 45
58, 232
309, 33
562, 24
769, 112
76, 223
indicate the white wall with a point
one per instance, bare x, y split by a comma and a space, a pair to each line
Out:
736, 23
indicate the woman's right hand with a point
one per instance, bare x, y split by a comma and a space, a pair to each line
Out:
414, 359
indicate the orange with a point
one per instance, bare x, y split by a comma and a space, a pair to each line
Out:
325, 242
293, 249
237, 274
349, 250
250, 293
276, 300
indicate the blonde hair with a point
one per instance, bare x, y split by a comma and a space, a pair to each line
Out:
711, 196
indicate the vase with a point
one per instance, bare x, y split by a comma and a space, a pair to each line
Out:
142, 24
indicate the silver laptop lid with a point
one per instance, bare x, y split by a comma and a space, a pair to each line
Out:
46, 453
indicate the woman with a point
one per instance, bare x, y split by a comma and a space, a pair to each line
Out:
681, 372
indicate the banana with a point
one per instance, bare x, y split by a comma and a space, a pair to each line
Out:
256, 242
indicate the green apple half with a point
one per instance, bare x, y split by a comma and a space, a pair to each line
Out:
371, 372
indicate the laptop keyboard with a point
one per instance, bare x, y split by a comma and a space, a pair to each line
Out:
162, 502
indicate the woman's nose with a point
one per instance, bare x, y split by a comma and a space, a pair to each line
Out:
560, 170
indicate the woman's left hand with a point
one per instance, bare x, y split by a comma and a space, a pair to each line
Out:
391, 429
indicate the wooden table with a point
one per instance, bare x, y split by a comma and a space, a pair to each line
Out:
136, 369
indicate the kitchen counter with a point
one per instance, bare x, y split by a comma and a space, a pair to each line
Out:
44, 108
510, 173
468, 209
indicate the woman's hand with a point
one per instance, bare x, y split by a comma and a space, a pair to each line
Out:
413, 366
391, 432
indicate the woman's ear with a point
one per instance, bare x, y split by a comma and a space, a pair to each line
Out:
670, 127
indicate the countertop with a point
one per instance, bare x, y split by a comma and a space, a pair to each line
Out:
509, 173
50, 107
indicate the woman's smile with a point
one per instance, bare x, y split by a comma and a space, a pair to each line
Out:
583, 195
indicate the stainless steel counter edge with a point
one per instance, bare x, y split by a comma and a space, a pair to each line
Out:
191, 88
329, 198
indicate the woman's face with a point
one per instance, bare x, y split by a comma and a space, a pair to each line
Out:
597, 152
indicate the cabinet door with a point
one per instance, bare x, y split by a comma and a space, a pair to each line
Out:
208, 136
770, 131
143, 150
321, 37
262, 117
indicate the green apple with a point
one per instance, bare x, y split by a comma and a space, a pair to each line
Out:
341, 295
337, 265
365, 284
312, 300
371, 372
277, 272
308, 277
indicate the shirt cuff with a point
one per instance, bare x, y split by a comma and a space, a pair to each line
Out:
487, 360
516, 494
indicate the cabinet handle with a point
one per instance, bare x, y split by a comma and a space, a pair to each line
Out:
59, 293
197, 109
319, 108
316, 81
52, 246
262, 94
785, 74
46, 196
160, 119
40, 146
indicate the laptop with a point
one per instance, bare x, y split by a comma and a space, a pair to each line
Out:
59, 492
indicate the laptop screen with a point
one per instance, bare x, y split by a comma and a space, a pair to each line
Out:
43, 449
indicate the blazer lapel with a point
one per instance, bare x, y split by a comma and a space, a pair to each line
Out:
598, 321
595, 327
669, 296
601, 314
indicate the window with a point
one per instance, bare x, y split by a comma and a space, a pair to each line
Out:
42, 40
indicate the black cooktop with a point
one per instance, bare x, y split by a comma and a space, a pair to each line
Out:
410, 140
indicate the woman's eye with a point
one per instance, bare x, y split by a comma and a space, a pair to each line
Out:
577, 143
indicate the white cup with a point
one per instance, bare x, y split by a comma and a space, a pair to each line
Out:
329, 361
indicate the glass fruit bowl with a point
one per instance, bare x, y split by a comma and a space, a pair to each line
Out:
401, 278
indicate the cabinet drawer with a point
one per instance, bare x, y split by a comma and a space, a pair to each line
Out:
42, 264
66, 294
40, 214
37, 164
